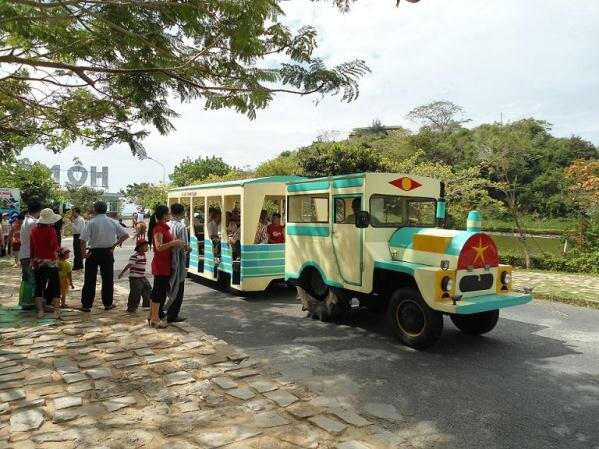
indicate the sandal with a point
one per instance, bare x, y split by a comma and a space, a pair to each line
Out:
158, 324
64, 306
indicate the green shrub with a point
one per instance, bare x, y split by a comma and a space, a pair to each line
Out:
575, 262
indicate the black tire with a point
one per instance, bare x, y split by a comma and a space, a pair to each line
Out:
319, 300
477, 323
412, 320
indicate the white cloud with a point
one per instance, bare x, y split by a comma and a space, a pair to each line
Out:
537, 57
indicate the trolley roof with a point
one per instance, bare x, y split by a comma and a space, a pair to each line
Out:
239, 183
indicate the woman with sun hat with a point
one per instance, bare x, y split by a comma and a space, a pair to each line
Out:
44, 261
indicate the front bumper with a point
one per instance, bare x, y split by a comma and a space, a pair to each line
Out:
484, 303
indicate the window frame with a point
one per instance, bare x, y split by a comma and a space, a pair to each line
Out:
326, 196
404, 205
335, 210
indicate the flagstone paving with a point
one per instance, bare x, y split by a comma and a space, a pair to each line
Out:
576, 288
105, 380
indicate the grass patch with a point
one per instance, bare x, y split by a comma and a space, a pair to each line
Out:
536, 245
533, 225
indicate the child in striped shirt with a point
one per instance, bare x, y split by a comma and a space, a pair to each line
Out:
139, 286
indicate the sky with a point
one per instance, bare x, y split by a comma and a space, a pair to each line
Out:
496, 58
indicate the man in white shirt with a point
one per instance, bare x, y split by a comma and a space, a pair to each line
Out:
78, 225
28, 281
101, 235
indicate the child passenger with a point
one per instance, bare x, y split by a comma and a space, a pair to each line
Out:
139, 286
275, 231
65, 273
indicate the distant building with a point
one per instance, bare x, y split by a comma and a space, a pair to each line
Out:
112, 200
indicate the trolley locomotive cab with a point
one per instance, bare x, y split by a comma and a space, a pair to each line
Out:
379, 238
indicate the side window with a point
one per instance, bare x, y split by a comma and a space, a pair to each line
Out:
386, 210
421, 212
339, 210
308, 209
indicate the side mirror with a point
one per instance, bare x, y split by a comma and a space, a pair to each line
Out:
362, 219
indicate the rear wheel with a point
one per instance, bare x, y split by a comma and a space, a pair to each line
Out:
319, 300
477, 323
412, 320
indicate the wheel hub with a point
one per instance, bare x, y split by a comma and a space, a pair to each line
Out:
410, 318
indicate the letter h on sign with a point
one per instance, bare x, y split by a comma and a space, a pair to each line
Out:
103, 176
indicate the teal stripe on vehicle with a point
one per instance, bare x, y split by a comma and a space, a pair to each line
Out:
262, 271
263, 263
346, 183
264, 247
485, 303
311, 263
250, 255
399, 266
307, 230
308, 186
226, 267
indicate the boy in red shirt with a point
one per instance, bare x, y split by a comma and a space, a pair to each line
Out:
276, 232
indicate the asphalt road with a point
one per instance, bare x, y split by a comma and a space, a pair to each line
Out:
531, 383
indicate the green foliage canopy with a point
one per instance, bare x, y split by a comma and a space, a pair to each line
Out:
83, 197
33, 179
190, 171
145, 195
99, 71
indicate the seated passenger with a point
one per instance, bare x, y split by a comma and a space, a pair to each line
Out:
356, 204
275, 231
261, 233
231, 224
214, 232
234, 241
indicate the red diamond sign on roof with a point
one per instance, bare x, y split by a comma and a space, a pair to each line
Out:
405, 183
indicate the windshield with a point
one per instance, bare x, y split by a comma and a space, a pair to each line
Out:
395, 211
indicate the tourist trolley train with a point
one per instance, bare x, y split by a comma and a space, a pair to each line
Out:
371, 239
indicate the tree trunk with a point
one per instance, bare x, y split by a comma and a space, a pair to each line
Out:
520, 230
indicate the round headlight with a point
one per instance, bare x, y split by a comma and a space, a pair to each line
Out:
506, 277
446, 283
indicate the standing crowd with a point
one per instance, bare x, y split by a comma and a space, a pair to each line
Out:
34, 239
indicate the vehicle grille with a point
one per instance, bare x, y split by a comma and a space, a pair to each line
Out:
476, 282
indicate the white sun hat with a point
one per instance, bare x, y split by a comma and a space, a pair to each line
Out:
47, 216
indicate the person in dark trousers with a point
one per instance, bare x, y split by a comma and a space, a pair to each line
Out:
178, 272
161, 263
78, 225
101, 235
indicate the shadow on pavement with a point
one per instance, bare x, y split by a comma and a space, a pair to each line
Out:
511, 388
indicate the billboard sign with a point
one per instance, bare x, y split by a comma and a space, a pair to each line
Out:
10, 200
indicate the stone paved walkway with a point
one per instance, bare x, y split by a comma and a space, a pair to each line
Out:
577, 288
105, 380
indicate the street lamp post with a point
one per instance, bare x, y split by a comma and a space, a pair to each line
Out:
159, 163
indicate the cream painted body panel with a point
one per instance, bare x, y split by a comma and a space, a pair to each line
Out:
250, 197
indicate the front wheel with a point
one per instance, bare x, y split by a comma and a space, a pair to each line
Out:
476, 323
412, 320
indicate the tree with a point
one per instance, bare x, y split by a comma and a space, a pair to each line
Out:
33, 179
190, 171
338, 158
465, 188
286, 164
506, 151
441, 116
145, 195
100, 70
584, 175
82, 197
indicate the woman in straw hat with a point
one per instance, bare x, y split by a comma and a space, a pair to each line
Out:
44, 261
